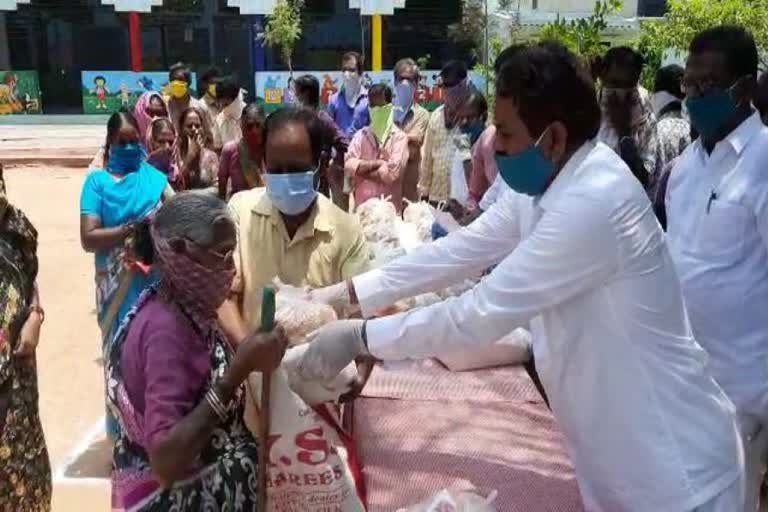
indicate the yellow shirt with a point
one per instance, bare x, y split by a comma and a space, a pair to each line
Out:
328, 248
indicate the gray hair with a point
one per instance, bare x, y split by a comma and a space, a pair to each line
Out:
192, 216
404, 64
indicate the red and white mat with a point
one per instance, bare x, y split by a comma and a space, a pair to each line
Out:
420, 428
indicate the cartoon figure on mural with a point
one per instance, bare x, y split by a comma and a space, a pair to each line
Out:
367, 81
422, 92
273, 93
289, 95
19, 93
8, 94
146, 83
125, 95
329, 89
101, 91
437, 89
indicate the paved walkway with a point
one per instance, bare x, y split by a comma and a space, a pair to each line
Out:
69, 374
56, 145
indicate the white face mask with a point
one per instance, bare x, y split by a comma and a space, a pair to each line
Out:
352, 86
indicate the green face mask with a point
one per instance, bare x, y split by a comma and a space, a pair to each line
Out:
381, 122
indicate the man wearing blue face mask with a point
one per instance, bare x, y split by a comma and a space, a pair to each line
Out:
579, 258
411, 118
717, 218
287, 230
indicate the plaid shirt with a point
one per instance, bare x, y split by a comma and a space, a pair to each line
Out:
437, 159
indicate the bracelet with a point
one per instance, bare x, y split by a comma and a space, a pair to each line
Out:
215, 403
35, 308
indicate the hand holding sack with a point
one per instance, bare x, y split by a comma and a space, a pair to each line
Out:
312, 465
311, 461
300, 314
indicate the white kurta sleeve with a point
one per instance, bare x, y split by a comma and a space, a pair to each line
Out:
460, 255
492, 194
571, 250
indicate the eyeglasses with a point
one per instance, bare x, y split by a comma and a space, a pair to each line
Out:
693, 86
211, 256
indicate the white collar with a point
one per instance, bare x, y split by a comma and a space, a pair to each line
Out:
739, 138
565, 176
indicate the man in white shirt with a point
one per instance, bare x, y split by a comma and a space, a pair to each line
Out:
580, 257
717, 221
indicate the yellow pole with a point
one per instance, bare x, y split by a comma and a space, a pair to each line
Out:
376, 43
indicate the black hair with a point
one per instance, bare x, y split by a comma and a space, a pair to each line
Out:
159, 124
404, 64
381, 89
211, 74
309, 87
359, 62
182, 68
505, 55
116, 121
477, 101
207, 135
227, 89
548, 83
454, 71
735, 43
302, 116
253, 113
99, 77
623, 57
669, 79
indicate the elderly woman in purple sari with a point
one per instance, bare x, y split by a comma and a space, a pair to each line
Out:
175, 384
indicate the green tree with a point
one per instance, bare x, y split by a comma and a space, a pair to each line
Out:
685, 18
583, 35
469, 31
506, 5
496, 45
284, 29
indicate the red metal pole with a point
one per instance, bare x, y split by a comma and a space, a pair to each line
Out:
134, 28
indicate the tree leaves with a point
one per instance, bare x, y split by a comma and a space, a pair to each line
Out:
583, 35
686, 18
284, 29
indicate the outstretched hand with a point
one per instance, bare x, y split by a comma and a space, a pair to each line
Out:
331, 349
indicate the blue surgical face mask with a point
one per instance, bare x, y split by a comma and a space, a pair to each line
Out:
528, 172
291, 193
125, 158
403, 101
474, 130
709, 112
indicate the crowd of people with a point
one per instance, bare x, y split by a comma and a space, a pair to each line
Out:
626, 228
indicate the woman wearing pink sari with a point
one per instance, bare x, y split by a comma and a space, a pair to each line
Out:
149, 107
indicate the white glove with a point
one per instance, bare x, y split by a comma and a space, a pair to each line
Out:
336, 296
331, 349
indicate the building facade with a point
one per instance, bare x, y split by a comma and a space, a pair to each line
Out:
62, 38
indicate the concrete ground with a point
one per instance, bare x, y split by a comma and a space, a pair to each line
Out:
70, 375
71, 145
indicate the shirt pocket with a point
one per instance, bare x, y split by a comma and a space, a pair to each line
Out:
721, 231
